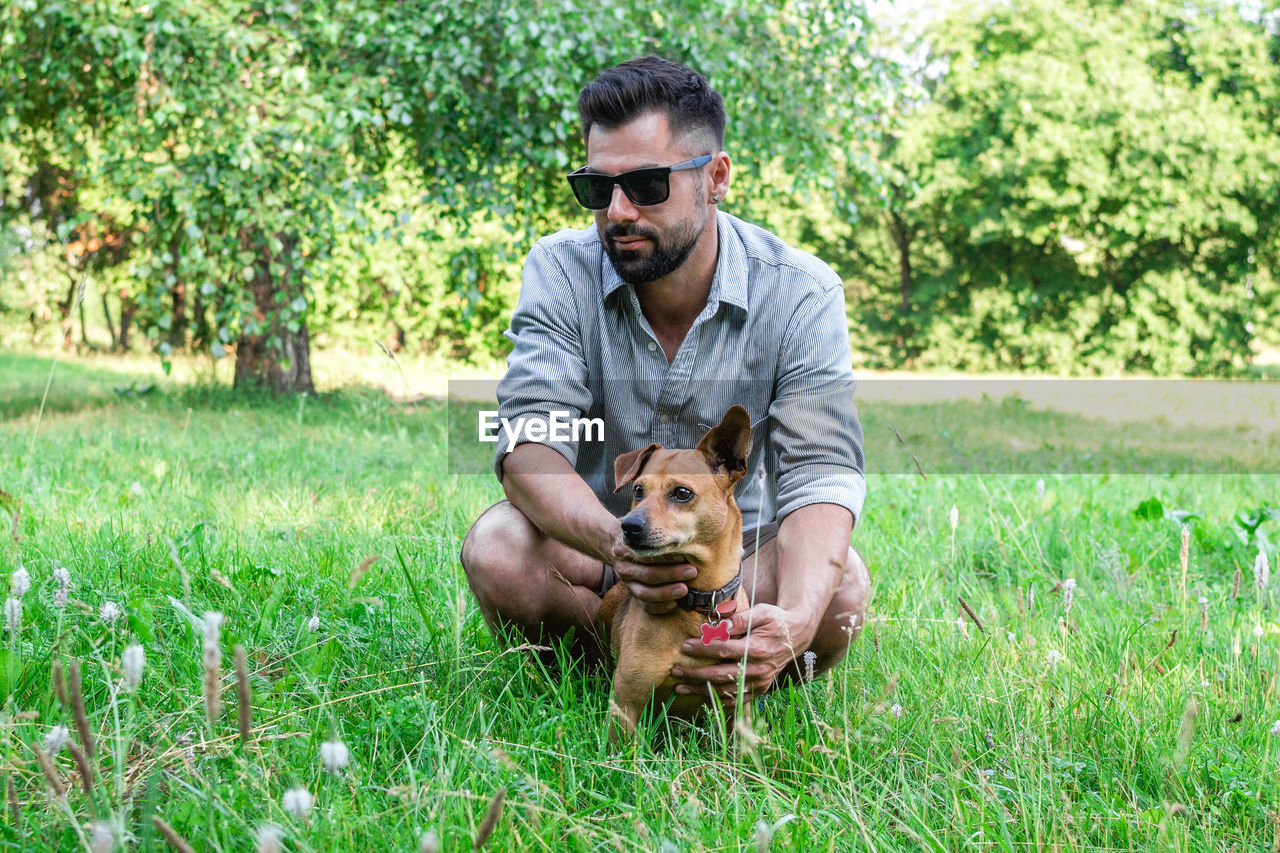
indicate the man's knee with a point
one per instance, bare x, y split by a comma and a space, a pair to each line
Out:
492, 555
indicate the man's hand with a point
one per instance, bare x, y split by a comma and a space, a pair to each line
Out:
777, 638
656, 586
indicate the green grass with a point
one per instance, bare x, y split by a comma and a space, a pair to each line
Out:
270, 505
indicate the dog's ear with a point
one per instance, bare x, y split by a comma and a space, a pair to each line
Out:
727, 444
629, 465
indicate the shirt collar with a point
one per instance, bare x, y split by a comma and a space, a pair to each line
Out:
730, 281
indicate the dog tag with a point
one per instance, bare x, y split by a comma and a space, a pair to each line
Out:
718, 630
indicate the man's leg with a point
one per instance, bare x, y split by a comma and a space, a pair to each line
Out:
527, 581
840, 623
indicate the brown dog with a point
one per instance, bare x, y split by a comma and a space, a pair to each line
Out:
682, 511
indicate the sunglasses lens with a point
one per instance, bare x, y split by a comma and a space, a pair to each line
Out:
646, 186
592, 191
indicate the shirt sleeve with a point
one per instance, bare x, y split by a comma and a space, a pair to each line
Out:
817, 433
546, 372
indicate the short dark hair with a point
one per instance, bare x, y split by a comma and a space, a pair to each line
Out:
653, 84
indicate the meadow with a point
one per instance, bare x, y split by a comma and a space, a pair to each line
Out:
1109, 683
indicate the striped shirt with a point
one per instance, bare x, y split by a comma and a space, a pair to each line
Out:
772, 338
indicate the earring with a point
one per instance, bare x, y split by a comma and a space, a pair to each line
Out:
715, 199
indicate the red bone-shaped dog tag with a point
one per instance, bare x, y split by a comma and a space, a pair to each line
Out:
715, 631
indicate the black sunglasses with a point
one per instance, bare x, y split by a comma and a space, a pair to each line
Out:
644, 187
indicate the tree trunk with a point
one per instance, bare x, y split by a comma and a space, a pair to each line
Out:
274, 356
127, 308
178, 316
902, 239
111, 327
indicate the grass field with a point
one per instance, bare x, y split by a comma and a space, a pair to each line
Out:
1133, 709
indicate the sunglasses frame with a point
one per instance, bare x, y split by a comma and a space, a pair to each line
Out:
621, 180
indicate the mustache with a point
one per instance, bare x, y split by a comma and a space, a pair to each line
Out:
613, 232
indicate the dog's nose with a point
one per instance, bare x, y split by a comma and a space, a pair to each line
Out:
632, 528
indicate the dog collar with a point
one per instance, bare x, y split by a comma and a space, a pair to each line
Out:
707, 599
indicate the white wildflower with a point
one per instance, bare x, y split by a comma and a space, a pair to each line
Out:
297, 802
954, 516
313, 624
136, 489
101, 838
1258, 631
110, 611
896, 711
212, 628
1068, 593
13, 614
63, 577
270, 839
1261, 571
56, 740
810, 659
21, 582
1275, 728
428, 842
133, 661
335, 755
1011, 637
1055, 658
1040, 489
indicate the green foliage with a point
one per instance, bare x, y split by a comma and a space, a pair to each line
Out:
1087, 186
243, 143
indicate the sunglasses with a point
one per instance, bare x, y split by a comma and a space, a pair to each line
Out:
645, 187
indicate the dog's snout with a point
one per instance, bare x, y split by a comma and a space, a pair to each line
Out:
633, 528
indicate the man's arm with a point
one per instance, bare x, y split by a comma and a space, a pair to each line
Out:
544, 486
813, 547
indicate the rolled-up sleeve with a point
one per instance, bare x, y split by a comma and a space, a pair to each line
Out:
816, 431
546, 371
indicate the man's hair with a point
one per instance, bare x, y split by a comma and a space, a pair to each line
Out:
627, 91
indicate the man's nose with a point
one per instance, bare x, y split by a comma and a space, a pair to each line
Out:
620, 207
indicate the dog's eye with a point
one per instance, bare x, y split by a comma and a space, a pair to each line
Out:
683, 494
638, 491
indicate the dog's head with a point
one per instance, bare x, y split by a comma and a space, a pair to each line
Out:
682, 500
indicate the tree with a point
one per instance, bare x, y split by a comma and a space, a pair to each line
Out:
1089, 186
248, 136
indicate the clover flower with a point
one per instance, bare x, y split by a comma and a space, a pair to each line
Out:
297, 802
56, 740
1275, 728
133, 661
270, 839
335, 756
63, 577
1055, 658
896, 711
13, 614
313, 624
110, 611
21, 582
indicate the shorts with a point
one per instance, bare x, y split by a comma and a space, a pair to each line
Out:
767, 532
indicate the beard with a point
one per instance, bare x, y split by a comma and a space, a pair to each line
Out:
662, 257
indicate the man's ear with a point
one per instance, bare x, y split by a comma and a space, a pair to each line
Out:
727, 444
629, 465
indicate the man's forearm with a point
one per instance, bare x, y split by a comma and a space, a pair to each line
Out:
813, 547
543, 485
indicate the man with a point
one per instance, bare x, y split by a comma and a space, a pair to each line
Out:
656, 321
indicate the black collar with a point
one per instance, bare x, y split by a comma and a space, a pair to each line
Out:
709, 599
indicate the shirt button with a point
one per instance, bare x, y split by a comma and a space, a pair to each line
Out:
652, 346
664, 419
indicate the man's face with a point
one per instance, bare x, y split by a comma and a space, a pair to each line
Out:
647, 243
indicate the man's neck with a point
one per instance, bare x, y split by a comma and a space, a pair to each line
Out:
673, 302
